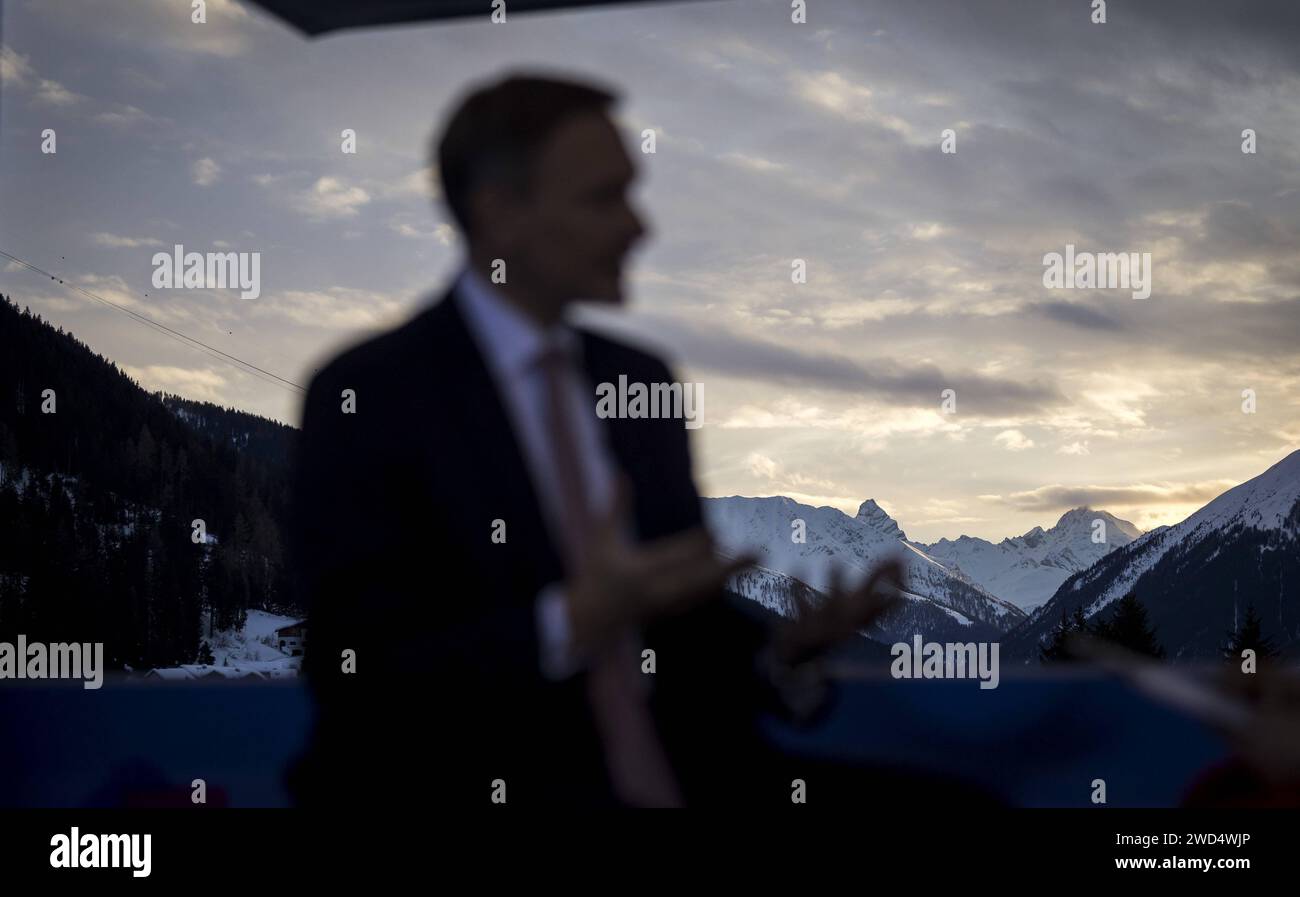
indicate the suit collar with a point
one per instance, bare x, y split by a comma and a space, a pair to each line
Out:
493, 475
507, 338
460, 375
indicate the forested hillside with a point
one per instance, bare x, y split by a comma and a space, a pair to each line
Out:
100, 482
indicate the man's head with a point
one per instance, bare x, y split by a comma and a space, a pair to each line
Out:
535, 174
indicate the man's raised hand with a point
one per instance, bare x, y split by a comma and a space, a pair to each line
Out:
818, 629
622, 584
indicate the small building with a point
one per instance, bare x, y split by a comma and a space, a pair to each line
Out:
292, 638
198, 671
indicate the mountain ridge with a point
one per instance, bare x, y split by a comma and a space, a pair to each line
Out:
1027, 569
1196, 576
803, 544
1022, 570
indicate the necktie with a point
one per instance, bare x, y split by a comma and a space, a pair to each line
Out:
634, 754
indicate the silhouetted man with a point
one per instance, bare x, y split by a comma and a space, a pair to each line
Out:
513, 599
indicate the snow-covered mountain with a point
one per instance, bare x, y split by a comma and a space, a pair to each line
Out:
1027, 570
1195, 578
872, 516
779, 593
938, 604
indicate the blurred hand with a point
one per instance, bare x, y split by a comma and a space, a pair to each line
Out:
1270, 740
819, 629
1259, 713
623, 584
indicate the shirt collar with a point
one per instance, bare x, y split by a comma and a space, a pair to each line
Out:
509, 337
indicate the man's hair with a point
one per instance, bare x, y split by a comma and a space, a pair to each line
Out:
495, 133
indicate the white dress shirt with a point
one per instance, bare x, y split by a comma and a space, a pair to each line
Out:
512, 345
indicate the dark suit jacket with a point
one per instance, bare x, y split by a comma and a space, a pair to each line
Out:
394, 515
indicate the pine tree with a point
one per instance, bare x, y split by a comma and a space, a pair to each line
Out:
1249, 634
100, 551
1130, 627
1080, 621
1057, 649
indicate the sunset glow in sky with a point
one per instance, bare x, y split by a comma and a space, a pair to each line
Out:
775, 142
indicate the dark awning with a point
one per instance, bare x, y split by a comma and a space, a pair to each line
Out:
322, 16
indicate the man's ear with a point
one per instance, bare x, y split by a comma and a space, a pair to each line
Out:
494, 212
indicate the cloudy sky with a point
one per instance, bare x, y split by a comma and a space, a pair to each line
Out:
775, 141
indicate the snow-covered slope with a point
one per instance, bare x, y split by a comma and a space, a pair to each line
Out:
1197, 576
254, 645
775, 591
1027, 570
242, 653
938, 601
778, 592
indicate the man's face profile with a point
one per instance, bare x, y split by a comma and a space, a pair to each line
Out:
571, 227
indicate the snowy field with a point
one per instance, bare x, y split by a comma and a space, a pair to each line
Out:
239, 654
